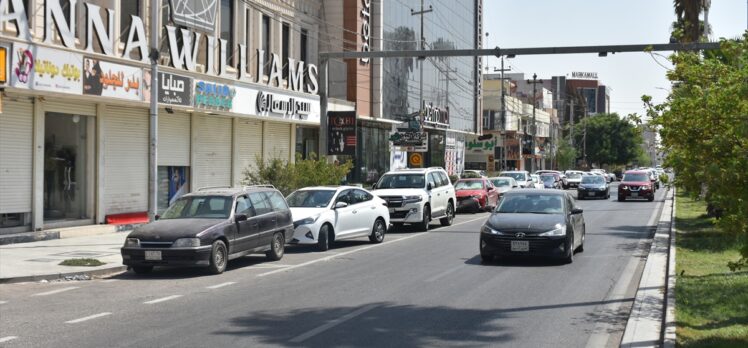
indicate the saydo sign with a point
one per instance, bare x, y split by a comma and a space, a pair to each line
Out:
341, 133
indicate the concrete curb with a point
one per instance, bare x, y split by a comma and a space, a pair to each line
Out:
97, 273
669, 325
645, 324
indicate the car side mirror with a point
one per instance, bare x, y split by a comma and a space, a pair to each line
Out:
240, 217
429, 187
340, 205
576, 210
489, 189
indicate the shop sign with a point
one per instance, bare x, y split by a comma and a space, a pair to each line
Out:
415, 160
341, 133
435, 116
584, 75
175, 89
410, 141
483, 144
214, 96
365, 29
267, 103
111, 80
45, 69
3, 65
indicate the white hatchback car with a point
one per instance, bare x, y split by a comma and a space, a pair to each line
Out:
323, 215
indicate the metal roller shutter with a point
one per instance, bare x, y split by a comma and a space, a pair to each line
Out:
212, 149
174, 139
278, 144
70, 107
16, 127
249, 144
125, 160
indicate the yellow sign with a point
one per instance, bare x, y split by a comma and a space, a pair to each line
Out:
3, 64
415, 159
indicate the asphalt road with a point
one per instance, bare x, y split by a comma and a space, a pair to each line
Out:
416, 289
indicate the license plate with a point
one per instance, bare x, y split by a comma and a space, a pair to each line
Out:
634, 194
590, 193
520, 245
153, 255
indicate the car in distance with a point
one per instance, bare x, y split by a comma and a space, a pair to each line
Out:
521, 176
534, 223
560, 176
504, 184
416, 196
536, 183
550, 181
475, 195
593, 186
210, 227
573, 178
636, 184
323, 215
469, 173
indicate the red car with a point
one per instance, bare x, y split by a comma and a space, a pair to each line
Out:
475, 195
636, 184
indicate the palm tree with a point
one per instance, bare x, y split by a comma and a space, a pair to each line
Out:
687, 13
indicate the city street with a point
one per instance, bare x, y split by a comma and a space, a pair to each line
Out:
415, 289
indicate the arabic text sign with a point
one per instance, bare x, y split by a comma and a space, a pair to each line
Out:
481, 145
411, 141
174, 89
46, 69
112, 80
261, 102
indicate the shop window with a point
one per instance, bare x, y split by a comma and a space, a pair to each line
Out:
127, 10
14, 220
173, 182
227, 26
285, 47
303, 45
266, 44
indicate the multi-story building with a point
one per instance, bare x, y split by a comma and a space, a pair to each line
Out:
237, 80
441, 94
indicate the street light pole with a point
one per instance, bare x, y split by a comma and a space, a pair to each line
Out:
534, 83
421, 47
503, 111
153, 129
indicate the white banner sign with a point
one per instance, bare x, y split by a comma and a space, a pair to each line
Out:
259, 102
112, 80
46, 69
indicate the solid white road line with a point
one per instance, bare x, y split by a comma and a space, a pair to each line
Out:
332, 324
110, 280
3, 302
7, 338
443, 274
167, 298
220, 285
55, 291
74, 321
327, 258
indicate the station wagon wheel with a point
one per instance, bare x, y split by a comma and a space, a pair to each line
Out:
277, 247
377, 233
218, 257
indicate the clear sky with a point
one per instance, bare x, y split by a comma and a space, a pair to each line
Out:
543, 23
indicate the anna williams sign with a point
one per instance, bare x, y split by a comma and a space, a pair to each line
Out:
174, 89
341, 133
46, 69
112, 80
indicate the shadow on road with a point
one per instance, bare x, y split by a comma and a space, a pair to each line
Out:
516, 261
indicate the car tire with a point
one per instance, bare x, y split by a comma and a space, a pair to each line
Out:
277, 247
447, 220
378, 231
423, 226
651, 198
570, 258
142, 269
218, 257
323, 239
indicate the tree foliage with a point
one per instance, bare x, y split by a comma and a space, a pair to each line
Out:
288, 176
566, 156
704, 130
610, 139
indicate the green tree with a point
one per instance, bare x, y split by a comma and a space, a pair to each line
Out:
704, 129
688, 27
610, 139
566, 156
288, 176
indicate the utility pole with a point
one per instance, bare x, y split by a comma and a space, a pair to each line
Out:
571, 123
503, 111
421, 47
534, 83
155, 28
584, 137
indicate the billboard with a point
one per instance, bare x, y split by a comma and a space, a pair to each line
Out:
45, 69
341, 133
112, 80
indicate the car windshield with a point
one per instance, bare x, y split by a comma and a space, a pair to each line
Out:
515, 176
199, 207
574, 176
534, 203
547, 178
401, 181
310, 198
635, 177
593, 179
469, 185
501, 182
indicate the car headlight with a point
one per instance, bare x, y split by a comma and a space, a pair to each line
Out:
307, 221
186, 243
559, 230
132, 243
624, 187
582, 188
488, 230
412, 199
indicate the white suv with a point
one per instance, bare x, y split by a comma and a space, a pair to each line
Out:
415, 196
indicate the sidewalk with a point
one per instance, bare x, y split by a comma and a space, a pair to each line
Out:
40, 260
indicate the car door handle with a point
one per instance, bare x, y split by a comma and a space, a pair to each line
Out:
355, 211
373, 207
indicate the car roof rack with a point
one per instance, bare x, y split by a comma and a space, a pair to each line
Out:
206, 188
258, 186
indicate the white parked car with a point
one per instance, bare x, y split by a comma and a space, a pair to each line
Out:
323, 215
504, 184
573, 178
536, 183
521, 176
416, 196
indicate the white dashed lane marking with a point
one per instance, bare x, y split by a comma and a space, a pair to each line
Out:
167, 298
7, 338
55, 291
220, 285
74, 321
